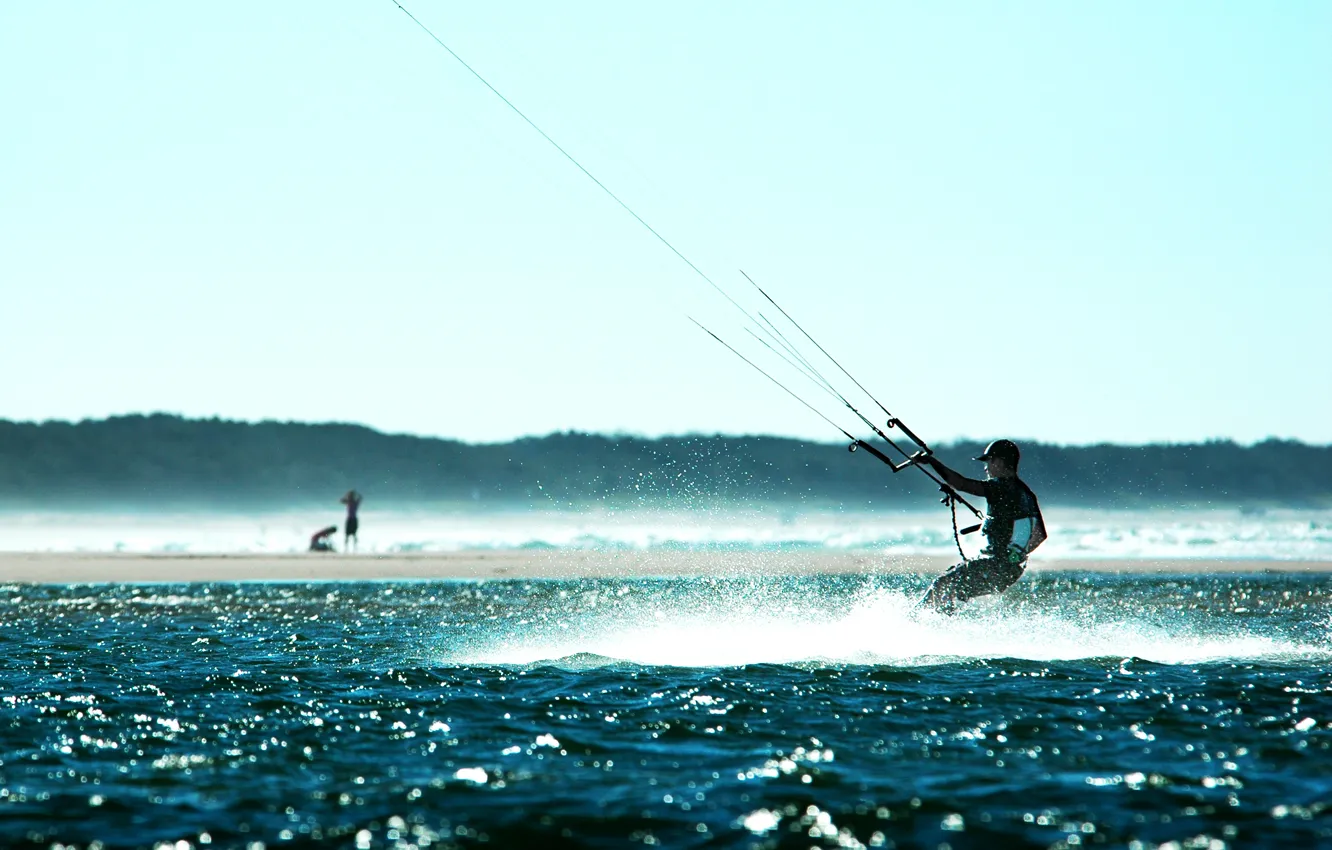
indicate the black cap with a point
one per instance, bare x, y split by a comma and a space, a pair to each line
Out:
1002, 449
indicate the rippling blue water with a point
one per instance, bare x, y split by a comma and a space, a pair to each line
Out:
1078, 710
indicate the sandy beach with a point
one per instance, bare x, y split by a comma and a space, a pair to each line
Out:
66, 568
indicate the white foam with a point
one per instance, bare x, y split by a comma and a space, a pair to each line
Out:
1222, 533
885, 627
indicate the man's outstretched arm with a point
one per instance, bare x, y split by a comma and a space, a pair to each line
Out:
954, 479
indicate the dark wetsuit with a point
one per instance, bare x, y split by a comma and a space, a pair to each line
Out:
1012, 514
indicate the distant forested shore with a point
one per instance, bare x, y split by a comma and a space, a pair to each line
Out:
160, 460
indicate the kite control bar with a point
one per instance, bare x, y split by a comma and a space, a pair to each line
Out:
911, 460
951, 496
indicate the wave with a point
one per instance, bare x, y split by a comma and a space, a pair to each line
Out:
1279, 535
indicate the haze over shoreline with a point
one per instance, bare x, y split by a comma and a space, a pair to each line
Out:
79, 568
163, 460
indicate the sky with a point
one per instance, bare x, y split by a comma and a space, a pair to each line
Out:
1076, 223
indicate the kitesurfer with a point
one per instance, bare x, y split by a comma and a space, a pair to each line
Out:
1013, 528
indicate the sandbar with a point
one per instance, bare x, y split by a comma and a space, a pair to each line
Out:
82, 567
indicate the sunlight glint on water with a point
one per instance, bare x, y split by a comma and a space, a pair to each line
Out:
805, 711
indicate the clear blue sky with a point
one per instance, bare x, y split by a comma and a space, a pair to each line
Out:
1071, 222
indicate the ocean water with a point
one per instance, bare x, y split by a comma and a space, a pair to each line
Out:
1172, 711
1221, 533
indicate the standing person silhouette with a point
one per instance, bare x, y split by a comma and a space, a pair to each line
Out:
353, 501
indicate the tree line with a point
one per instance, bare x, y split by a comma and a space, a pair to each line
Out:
160, 459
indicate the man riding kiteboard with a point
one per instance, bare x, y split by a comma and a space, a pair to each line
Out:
1013, 528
